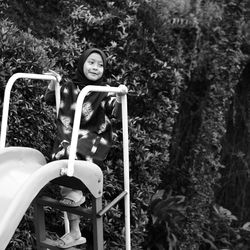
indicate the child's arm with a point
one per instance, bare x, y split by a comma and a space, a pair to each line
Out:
49, 97
117, 109
113, 106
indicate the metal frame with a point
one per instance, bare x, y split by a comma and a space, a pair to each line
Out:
7, 99
122, 90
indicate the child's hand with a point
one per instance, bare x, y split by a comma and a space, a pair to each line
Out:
53, 73
52, 84
124, 92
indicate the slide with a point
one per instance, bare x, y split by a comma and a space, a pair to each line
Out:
24, 172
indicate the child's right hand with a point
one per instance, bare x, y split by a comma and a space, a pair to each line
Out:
53, 73
124, 92
52, 83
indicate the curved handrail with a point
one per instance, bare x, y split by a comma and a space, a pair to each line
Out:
122, 89
6, 102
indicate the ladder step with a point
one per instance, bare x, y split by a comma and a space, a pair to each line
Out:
51, 244
48, 201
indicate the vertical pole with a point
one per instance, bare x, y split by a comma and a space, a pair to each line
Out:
39, 223
6, 111
58, 97
97, 224
126, 170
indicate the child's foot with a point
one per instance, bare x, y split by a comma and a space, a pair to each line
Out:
70, 202
70, 239
73, 198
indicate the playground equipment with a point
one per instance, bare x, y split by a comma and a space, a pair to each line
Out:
24, 172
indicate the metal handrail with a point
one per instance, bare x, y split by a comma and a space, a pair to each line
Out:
76, 124
122, 89
6, 102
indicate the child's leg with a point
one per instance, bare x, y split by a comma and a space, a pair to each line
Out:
73, 238
70, 198
74, 222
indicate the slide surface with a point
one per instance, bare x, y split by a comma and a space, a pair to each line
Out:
24, 172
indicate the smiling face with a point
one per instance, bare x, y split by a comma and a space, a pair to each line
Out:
93, 67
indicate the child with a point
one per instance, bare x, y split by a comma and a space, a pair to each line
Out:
95, 133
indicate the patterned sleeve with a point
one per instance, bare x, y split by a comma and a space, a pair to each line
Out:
50, 97
112, 107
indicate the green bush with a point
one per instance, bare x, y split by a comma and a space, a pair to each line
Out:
28, 118
181, 63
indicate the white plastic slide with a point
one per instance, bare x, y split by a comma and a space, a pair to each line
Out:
24, 173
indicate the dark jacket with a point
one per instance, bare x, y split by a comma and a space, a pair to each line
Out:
95, 133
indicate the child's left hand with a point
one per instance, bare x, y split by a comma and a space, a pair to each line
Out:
124, 92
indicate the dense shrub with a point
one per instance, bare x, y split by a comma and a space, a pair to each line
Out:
181, 61
28, 119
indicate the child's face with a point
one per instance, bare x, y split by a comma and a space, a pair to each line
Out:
93, 67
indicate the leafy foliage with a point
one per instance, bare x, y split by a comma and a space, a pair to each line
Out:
195, 159
21, 52
181, 61
167, 215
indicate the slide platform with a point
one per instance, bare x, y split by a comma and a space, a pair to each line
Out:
24, 172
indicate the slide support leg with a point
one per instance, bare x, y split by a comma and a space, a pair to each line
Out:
97, 224
39, 222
